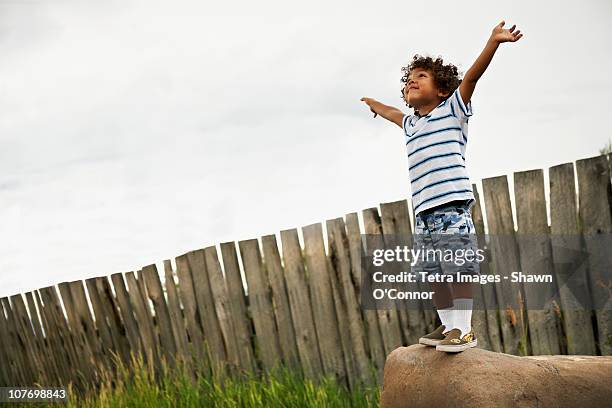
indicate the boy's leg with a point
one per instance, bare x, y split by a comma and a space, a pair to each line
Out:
463, 290
443, 300
443, 295
454, 303
457, 234
464, 302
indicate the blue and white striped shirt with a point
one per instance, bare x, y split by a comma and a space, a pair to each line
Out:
435, 145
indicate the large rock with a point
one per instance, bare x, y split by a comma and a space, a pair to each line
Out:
419, 376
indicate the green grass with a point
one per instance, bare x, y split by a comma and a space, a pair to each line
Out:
137, 387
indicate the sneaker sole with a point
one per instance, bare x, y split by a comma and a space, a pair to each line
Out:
456, 349
429, 342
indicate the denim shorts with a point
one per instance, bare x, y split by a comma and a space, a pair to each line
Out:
447, 239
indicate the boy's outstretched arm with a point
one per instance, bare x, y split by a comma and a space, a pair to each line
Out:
388, 112
498, 36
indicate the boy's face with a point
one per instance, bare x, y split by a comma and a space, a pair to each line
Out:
420, 89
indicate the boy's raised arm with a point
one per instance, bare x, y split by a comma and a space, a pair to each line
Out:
388, 112
498, 36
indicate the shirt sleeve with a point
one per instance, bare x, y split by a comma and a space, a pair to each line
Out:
406, 123
458, 108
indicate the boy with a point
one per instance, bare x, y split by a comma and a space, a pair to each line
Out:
436, 138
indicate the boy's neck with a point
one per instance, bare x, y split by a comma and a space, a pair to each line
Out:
425, 109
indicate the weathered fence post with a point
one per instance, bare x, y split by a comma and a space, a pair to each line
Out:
282, 308
490, 315
536, 259
388, 319
301, 308
505, 260
242, 322
570, 262
260, 304
323, 308
594, 204
355, 335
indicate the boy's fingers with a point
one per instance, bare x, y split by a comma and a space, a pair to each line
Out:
512, 28
500, 25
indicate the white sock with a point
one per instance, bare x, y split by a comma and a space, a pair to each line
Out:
446, 317
462, 315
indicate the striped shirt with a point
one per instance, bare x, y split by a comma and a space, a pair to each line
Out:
435, 145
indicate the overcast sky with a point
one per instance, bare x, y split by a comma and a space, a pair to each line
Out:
132, 132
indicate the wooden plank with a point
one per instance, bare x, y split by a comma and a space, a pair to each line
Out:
6, 371
341, 314
68, 340
206, 308
505, 255
323, 307
490, 330
142, 288
154, 290
27, 338
260, 304
301, 308
388, 319
22, 368
34, 317
66, 299
374, 344
146, 329
68, 305
190, 310
101, 324
86, 324
112, 311
64, 350
141, 285
48, 370
536, 259
176, 314
50, 341
419, 317
127, 313
479, 312
242, 323
12, 365
220, 298
356, 246
594, 209
282, 307
354, 334
83, 349
570, 267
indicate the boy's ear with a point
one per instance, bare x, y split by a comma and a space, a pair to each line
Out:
443, 94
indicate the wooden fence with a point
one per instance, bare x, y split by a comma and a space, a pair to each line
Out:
302, 306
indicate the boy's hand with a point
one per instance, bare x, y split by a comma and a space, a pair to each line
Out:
369, 102
498, 36
501, 35
388, 112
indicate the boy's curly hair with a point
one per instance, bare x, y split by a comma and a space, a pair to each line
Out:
446, 77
